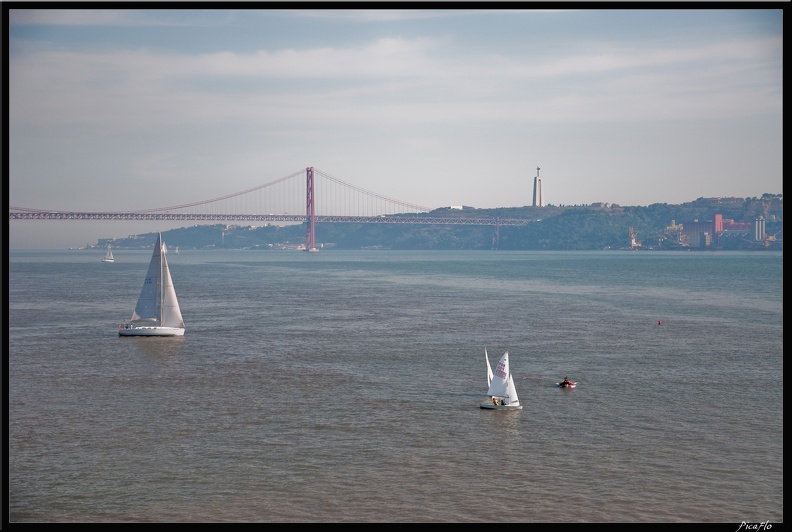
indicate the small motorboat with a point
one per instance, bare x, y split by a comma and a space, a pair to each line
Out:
566, 384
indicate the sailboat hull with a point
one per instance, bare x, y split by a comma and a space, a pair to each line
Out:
133, 330
490, 406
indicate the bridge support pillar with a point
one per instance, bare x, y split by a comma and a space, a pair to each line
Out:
310, 239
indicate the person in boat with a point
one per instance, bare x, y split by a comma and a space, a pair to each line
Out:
566, 382
494, 401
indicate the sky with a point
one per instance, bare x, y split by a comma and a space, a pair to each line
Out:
123, 110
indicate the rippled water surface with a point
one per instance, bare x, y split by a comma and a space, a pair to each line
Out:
344, 386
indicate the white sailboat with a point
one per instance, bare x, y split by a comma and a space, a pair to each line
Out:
108, 255
157, 311
502, 393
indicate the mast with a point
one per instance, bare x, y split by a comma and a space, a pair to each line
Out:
161, 282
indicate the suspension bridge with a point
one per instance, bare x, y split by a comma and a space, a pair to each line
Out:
308, 196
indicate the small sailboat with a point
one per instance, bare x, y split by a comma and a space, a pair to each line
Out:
157, 312
109, 255
502, 393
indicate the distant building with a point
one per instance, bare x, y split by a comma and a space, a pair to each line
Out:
701, 234
760, 233
538, 190
723, 201
698, 234
731, 225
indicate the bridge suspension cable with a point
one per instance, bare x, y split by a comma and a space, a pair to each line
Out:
408, 206
221, 198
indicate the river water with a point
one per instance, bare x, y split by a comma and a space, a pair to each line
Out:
343, 386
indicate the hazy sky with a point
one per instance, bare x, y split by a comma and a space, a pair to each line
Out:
115, 110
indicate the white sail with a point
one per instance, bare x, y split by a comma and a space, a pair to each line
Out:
511, 392
489, 368
149, 302
157, 312
108, 255
500, 378
171, 313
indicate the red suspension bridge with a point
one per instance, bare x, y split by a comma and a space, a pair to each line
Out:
292, 198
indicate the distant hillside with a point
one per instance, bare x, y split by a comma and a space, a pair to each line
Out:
589, 227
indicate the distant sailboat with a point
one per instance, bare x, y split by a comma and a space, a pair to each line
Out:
502, 393
108, 255
157, 312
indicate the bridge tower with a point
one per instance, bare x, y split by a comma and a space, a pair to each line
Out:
310, 240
